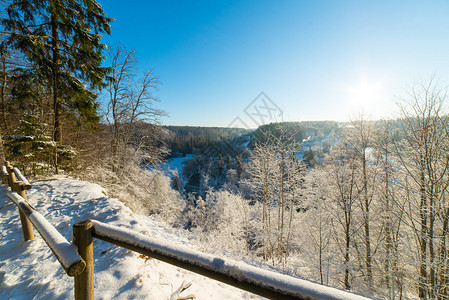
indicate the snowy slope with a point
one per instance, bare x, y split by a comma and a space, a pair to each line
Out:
29, 270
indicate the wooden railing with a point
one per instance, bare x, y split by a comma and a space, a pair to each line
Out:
77, 259
66, 253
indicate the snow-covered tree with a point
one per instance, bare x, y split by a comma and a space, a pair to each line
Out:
359, 142
61, 40
423, 153
276, 178
343, 195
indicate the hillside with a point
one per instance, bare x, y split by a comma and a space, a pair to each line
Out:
28, 270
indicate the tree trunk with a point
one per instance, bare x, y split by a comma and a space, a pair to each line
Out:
389, 277
281, 205
443, 275
422, 284
3, 93
432, 283
57, 126
321, 251
368, 259
264, 211
348, 241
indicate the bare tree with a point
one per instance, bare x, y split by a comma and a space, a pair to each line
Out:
277, 179
392, 209
262, 169
423, 154
344, 194
318, 221
359, 138
130, 102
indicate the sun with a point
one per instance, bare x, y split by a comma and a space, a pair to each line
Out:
365, 94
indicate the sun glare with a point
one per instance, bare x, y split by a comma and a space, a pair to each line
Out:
365, 94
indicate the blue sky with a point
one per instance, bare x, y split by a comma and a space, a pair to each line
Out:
316, 60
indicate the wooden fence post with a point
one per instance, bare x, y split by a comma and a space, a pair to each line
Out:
7, 165
82, 238
27, 227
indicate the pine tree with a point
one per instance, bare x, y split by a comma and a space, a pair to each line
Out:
220, 165
309, 158
61, 40
29, 147
238, 167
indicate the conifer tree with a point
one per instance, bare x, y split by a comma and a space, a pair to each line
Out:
309, 158
30, 147
61, 40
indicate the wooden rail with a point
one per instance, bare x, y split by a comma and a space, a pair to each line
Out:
255, 280
77, 259
66, 253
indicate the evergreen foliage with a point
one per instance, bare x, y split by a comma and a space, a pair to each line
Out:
30, 146
309, 158
61, 40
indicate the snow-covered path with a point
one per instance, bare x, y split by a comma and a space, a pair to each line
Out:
28, 270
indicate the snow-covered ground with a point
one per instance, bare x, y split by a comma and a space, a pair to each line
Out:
29, 270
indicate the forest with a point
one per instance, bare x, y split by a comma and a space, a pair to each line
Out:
361, 205
371, 216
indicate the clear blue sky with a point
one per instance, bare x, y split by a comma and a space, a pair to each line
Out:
316, 60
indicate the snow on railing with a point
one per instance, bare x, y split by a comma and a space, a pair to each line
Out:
258, 281
4, 171
66, 253
20, 177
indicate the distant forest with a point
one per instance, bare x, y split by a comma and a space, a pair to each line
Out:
182, 140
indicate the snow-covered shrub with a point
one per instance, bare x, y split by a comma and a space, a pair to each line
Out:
223, 220
232, 228
166, 201
144, 191
232, 181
